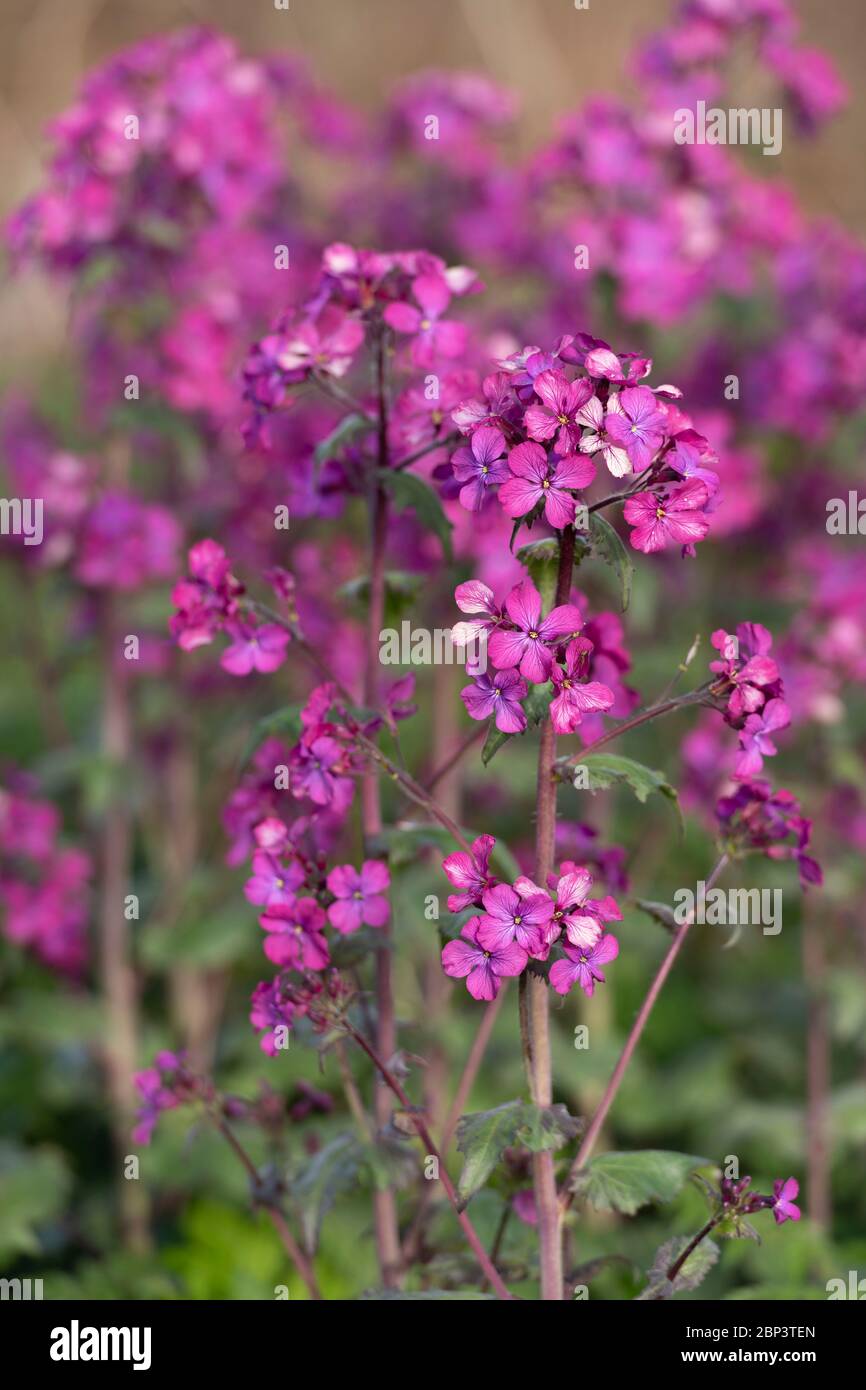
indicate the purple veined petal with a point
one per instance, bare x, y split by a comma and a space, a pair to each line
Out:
459, 958
593, 695
506, 649
482, 983
528, 461
540, 423
582, 930
561, 620
345, 915
479, 699
518, 496
475, 597
558, 508
616, 460
523, 606
563, 974
536, 662
574, 472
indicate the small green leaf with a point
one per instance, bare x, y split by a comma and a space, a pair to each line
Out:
541, 560
410, 493
484, 1136
605, 769
628, 1181
332, 1171
350, 428
660, 912
693, 1272
610, 547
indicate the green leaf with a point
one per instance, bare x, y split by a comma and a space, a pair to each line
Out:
332, 1171
610, 547
660, 912
535, 707
484, 1136
34, 1184
605, 769
350, 428
541, 560
628, 1181
693, 1272
410, 493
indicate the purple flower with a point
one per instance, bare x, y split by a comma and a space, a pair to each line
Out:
559, 412
582, 966
638, 426
597, 438
499, 696
525, 647
581, 917
359, 896
271, 883
755, 741
470, 873
315, 771
572, 699
481, 966
784, 1206
479, 465
269, 1011
536, 478
671, 517
254, 648
510, 916
434, 336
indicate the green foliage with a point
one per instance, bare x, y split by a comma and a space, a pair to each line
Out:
625, 1182
482, 1138
608, 769
408, 492
34, 1185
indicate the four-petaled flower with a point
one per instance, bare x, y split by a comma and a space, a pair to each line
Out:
526, 645
470, 873
482, 967
537, 478
583, 966
784, 1206
638, 426
480, 465
574, 699
499, 695
512, 916
360, 896
558, 414
673, 516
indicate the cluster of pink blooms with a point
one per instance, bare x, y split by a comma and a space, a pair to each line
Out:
43, 884
757, 819
515, 923
546, 417
750, 687
735, 1196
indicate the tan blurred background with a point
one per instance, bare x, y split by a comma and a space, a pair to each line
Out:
551, 54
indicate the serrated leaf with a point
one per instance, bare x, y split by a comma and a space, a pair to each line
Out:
660, 912
693, 1272
606, 769
610, 547
625, 1182
484, 1136
410, 493
332, 1171
541, 560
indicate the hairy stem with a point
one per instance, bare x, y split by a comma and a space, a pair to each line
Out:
534, 997
646, 1008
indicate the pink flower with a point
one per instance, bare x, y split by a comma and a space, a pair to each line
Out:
784, 1206
573, 699
508, 917
597, 438
316, 769
481, 967
582, 965
470, 873
434, 336
536, 478
271, 883
581, 917
638, 426
525, 647
475, 598
755, 741
254, 648
670, 517
295, 935
479, 465
500, 697
359, 896
559, 412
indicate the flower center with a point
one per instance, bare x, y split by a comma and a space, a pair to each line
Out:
534, 635
660, 512
425, 324
484, 468
517, 921
563, 419
546, 483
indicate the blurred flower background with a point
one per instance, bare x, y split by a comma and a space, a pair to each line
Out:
138, 275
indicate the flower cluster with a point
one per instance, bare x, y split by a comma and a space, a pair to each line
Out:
43, 884
737, 1200
164, 1086
755, 819
524, 646
522, 921
545, 417
749, 690
210, 601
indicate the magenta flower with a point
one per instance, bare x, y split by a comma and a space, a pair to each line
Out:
434, 336
756, 743
559, 412
673, 517
482, 967
784, 1206
359, 896
509, 916
638, 426
479, 465
583, 966
294, 935
574, 699
327, 347
499, 696
745, 662
581, 918
254, 648
536, 478
269, 1011
316, 769
525, 647
470, 873
475, 598
271, 883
